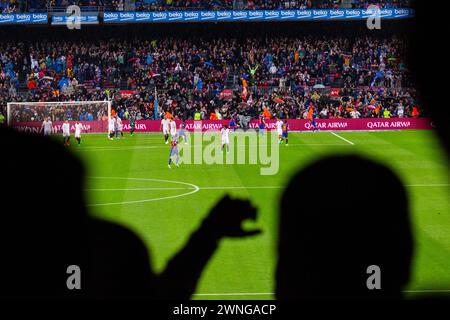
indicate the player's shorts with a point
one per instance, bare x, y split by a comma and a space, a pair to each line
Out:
285, 134
225, 141
280, 132
173, 133
66, 135
47, 133
174, 151
181, 133
165, 131
78, 136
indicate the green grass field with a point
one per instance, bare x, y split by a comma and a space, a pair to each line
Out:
125, 186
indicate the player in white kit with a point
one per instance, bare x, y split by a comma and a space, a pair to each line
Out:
78, 129
173, 129
47, 126
119, 127
279, 125
66, 132
225, 133
165, 128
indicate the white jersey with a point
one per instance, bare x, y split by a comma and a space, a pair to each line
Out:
119, 124
112, 125
225, 132
165, 125
78, 128
279, 127
173, 128
400, 111
47, 127
66, 129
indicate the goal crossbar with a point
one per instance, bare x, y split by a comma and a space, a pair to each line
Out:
52, 103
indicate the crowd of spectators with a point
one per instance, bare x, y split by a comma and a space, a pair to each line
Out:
341, 76
11, 6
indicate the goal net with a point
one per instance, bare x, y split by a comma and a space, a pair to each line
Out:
28, 116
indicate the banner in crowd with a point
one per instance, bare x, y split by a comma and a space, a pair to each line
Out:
127, 93
82, 19
256, 15
294, 125
23, 18
204, 16
97, 126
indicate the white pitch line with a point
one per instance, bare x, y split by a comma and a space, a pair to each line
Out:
235, 294
193, 187
427, 291
270, 293
180, 188
237, 187
280, 187
240, 187
336, 135
138, 189
428, 185
196, 146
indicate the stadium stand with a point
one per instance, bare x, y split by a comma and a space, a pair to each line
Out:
343, 77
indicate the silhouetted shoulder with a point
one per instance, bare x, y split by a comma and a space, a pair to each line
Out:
120, 261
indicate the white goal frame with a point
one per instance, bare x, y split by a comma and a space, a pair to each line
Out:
58, 103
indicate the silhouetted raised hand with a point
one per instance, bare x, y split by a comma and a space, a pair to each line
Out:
226, 218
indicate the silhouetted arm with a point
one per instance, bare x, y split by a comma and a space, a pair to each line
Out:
180, 278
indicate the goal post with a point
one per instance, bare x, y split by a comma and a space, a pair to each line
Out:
28, 116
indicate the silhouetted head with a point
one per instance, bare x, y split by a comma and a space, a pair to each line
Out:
339, 216
43, 224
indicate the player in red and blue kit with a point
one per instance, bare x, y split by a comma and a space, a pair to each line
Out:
174, 151
262, 124
232, 124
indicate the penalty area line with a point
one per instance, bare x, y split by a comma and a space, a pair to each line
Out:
236, 187
234, 294
342, 138
272, 294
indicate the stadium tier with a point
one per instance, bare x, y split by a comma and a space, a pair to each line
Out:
361, 77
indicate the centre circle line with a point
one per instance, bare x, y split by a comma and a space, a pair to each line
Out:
193, 187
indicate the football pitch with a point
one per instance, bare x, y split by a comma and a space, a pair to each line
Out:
128, 182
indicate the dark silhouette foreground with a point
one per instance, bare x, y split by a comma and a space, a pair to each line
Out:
45, 228
339, 216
